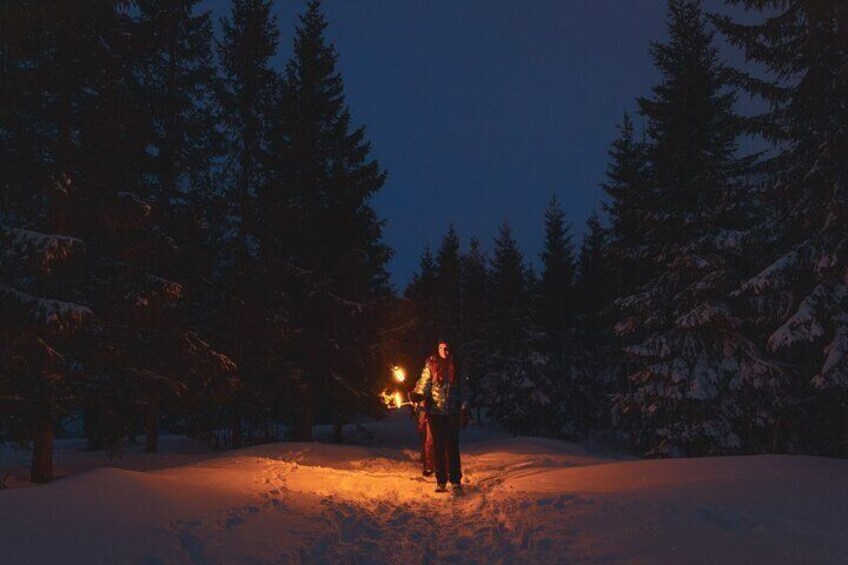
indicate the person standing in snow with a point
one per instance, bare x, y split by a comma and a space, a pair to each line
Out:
446, 410
428, 454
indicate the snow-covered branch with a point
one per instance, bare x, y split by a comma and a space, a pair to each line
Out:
54, 314
23, 245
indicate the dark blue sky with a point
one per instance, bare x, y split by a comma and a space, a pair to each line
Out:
482, 109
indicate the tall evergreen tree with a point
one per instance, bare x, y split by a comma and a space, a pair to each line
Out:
800, 295
421, 290
517, 392
248, 90
178, 73
446, 307
326, 228
626, 263
473, 287
247, 96
44, 320
593, 354
178, 80
626, 186
685, 344
24, 128
556, 306
593, 284
556, 317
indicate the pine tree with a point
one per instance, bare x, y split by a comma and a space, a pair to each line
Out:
474, 282
248, 91
24, 128
446, 307
556, 307
690, 358
626, 264
326, 229
74, 76
516, 391
44, 320
593, 285
421, 291
556, 317
593, 354
626, 186
247, 97
179, 80
799, 296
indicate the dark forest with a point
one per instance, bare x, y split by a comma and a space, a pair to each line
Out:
187, 243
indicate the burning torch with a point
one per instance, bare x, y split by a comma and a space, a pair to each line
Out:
395, 399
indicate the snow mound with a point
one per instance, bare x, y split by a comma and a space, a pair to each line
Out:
527, 500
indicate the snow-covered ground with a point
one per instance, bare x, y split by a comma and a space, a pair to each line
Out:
527, 500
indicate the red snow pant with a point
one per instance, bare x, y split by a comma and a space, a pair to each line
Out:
445, 430
427, 454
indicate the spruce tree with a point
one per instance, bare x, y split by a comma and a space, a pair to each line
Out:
556, 306
248, 90
626, 186
517, 393
593, 284
556, 317
179, 80
446, 307
799, 295
247, 95
178, 74
626, 263
45, 321
474, 282
24, 128
593, 355
148, 358
688, 355
325, 231
421, 291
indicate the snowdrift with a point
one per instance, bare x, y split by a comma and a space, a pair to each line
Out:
527, 500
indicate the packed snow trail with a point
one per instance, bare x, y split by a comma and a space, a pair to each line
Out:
527, 500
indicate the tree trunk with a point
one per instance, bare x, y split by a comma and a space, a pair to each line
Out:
844, 432
338, 430
235, 428
42, 449
775, 438
151, 426
304, 416
91, 423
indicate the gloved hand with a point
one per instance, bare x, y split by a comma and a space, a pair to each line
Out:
465, 418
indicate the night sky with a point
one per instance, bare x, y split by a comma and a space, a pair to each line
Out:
482, 109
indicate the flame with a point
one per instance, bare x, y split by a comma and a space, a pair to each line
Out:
398, 373
392, 399
387, 398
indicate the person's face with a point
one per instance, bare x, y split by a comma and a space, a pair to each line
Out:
443, 350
